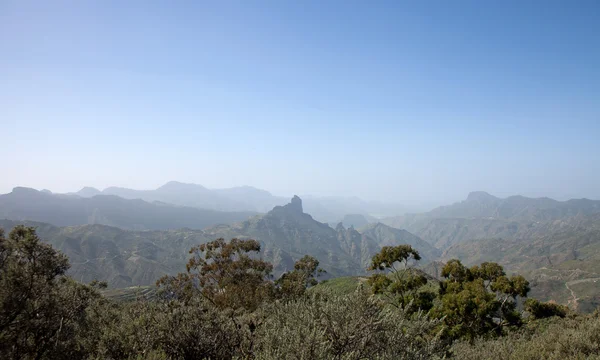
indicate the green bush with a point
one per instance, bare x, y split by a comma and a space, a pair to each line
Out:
354, 326
541, 310
191, 330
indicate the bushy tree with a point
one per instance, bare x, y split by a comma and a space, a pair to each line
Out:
225, 273
480, 300
293, 284
43, 313
397, 281
173, 329
541, 310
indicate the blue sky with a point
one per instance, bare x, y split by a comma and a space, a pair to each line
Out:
415, 102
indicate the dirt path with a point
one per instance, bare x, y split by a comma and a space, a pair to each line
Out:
574, 301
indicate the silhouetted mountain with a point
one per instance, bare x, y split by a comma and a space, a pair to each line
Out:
61, 210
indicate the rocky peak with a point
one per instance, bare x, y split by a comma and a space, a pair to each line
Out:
296, 204
292, 210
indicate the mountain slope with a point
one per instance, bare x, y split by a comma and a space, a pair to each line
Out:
359, 246
289, 229
482, 215
121, 257
64, 210
341, 251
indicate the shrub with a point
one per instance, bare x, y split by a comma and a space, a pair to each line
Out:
355, 326
569, 338
540, 310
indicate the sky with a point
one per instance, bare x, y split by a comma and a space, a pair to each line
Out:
415, 102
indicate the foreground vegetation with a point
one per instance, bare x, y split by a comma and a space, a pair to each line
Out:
227, 306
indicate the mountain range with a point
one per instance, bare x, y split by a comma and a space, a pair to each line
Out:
246, 198
286, 233
68, 210
555, 244
482, 215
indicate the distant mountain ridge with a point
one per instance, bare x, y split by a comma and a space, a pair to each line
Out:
247, 198
482, 215
183, 194
69, 210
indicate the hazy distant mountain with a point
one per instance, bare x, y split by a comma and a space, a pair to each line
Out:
482, 215
247, 198
243, 198
177, 193
63, 210
483, 205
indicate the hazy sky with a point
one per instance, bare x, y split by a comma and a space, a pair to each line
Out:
416, 102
